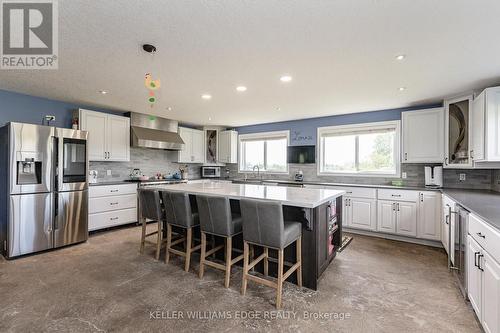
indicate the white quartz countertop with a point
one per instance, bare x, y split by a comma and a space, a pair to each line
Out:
289, 196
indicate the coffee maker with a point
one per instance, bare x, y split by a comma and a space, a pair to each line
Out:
434, 176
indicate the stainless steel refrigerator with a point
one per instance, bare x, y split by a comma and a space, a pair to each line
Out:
43, 188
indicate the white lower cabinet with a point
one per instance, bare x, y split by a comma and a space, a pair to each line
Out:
491, 294
483, 273
360, 213
397, 217
406, 219
112, 205
429, 216
386, 219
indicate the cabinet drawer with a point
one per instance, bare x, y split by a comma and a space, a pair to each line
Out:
358, 192
399, 195
111, 219
486, 236
115, 202
103, 191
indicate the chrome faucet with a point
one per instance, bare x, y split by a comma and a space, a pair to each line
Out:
258, 171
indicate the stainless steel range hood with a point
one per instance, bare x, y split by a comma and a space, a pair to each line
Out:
154, 132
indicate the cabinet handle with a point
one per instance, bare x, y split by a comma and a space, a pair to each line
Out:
446, 218
481, 235
446, 161
113, 218
396, 195
393, 206
113, 191
421, 197
479, 262
475, 259
406, 156
113, 203
398, 206
349, 192
472, 154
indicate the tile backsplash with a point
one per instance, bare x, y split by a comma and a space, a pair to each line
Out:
150, 161
474, 179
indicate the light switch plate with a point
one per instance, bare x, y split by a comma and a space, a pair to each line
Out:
404, 175
462, 177
108, 172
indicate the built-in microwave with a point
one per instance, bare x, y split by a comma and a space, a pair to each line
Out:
210, 171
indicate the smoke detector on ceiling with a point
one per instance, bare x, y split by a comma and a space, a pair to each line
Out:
149, 48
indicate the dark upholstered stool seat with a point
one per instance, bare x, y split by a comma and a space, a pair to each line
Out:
216, 219
150, 208
292, 231
180, 212
264, 225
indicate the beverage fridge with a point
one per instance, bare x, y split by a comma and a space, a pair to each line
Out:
43, 188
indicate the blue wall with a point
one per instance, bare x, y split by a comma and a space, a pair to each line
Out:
303, 132
28, 109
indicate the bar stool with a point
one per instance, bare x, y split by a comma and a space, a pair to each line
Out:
216, 219
264, 225
179, 213
150, 208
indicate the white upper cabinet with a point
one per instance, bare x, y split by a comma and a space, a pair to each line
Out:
198, 150
118, 138
423, 136
193, 151
109, 135
95, 124
458, 133
228, 147
486, 126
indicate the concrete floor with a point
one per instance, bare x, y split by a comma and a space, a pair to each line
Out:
106, 285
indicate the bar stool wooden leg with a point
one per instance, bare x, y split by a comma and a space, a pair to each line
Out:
203, 251
143, 237
159, 239
169, 242
279, 289
189, 244
245, 268
266, 261
229, 247
252, 253
299, 261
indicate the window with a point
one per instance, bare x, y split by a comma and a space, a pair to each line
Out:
363, 149
268, 151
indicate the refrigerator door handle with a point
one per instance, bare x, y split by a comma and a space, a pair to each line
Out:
56, 211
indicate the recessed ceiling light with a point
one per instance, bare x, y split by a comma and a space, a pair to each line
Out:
206, 96
103, 92
169, 108
278, 108
286, 78
209, 118
241, 88
402, 88
400, 57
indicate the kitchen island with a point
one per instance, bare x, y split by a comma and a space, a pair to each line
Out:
319, 211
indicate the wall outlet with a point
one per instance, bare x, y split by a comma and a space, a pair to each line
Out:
404, 175
462, 177
108, 172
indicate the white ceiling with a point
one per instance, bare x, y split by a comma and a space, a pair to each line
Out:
341, 54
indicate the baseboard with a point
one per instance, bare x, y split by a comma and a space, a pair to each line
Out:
394, 237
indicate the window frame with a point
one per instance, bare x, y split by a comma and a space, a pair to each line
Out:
264, 136
352, 129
